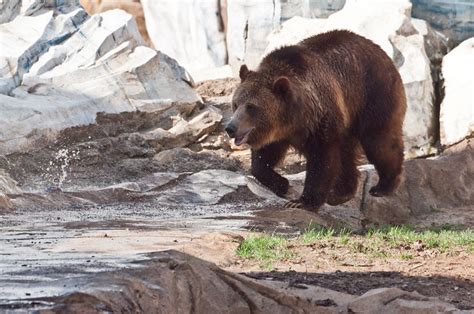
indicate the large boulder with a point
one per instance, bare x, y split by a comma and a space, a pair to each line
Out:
59, 68
310, 8
433, 191
133, 7
430, 187
251, 21
457, 108
452, 17
412, 45
190, 31
248, 26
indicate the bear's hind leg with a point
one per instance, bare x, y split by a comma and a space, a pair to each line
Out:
346, 183
385, 151
263, 162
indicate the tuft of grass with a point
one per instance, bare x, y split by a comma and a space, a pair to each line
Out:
381, 242
265, 249
441, 238
315, 232
406, 256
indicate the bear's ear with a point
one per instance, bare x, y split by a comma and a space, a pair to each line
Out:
244, 71
281, 86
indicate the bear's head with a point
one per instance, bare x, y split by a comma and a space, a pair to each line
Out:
261, 107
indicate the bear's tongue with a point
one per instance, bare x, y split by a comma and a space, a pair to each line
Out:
239, 140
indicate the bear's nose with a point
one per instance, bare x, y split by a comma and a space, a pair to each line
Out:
230, 129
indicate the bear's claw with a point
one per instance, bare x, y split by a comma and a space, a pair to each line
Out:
294, 204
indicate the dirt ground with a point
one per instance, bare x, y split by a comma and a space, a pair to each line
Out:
351, 269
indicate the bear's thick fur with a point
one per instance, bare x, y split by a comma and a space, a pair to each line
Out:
324, 97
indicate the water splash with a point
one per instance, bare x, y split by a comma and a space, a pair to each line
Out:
59, 165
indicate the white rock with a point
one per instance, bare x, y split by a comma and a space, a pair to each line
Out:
457, 108
185, 132
310, 8
63, 69
293, 31
188, 30
18, 46
25, 38
221, 72
8, 10
416, 75
377, 22
249, 23
207, 186
389, 25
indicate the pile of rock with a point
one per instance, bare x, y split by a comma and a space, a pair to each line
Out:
60, 67
72, 66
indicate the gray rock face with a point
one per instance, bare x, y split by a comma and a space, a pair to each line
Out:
429, 185
310, 8
60, 67
207, 186
393, 300
454, 18
185, 160
457, 108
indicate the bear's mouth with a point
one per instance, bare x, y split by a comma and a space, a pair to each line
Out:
242, 139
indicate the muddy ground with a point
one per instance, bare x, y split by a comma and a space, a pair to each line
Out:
72, 219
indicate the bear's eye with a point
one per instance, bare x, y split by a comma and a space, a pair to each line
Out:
251, 108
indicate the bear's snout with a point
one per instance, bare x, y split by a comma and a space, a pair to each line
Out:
230, 129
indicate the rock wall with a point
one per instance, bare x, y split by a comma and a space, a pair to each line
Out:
59, 68
454, 18
134, 7
457, 108
206, 34
190, 31
52, 60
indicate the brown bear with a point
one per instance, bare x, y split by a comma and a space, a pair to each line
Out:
325, 96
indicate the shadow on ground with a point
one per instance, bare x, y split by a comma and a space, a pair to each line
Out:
458, 292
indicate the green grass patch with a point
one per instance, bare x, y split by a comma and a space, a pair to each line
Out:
441, 238
406, 256
316, 232
265, 248
387, 241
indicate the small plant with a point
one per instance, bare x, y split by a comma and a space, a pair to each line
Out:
265, 249
316, 232
440, 238
386, 241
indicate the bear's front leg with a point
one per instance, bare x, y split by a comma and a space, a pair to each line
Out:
322, 169
263, 162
